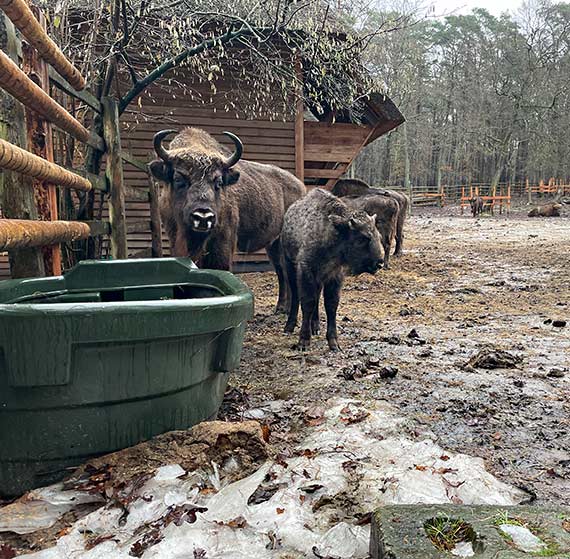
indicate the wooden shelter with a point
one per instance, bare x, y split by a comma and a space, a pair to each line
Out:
317, 149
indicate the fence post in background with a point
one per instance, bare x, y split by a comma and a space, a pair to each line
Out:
114, 173
40, 142
16, 193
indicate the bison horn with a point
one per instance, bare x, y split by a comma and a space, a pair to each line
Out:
236, 156
158, 147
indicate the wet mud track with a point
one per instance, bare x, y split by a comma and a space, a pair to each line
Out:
407, 336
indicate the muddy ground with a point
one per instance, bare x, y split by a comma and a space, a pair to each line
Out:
462, 285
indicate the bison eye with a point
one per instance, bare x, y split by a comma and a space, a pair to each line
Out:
179, 181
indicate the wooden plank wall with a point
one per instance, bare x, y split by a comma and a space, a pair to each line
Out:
265, 141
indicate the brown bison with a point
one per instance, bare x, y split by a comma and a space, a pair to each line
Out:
548, 210
324, 239
386, 210
216, 203
357, 187
476, 203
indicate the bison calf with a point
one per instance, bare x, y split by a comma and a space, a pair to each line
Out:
323, 239
476, 204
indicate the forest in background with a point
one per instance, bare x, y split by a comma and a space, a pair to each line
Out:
486, 98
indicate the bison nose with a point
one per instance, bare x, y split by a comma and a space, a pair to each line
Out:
376, 264
202, 220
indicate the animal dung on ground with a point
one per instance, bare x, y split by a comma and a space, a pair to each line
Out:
492, 358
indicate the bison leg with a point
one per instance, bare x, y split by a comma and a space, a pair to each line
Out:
308, 295
386, 245
332, 297
315, 321
399, 240
293, 287
274, 254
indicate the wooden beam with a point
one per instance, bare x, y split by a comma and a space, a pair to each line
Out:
40, 143
299, 125
84, 96
23, 18
17, 159
25, 233
155, 221
323, 173
15, 82
138, 227
114, 173
16, 193
128, 158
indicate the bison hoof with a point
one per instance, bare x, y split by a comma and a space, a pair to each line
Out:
333, 344
386, 266
289, 328
302, 345
315, 328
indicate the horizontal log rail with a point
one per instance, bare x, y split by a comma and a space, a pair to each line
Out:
23, 233
23, 18
17, 159
17, 83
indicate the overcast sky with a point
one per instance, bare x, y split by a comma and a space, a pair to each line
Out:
496, 7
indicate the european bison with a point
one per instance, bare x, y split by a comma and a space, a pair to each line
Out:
548, 210
323, 239
357, 187
476, 203
386, 210
215, 203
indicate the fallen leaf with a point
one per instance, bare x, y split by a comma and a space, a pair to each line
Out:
265, 432
566, 525
444, 457
7, 552
421, 468
279, 511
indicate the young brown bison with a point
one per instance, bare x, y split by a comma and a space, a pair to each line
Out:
476, 204
357, 187
323, 239
215, 203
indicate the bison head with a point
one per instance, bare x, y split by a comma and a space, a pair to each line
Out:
362, 246
197, 171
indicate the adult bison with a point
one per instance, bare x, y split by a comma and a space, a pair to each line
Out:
357, 187
548, 210
216, 203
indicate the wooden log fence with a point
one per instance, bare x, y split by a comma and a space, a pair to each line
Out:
15, 82
21, 235
17, 159
24, 233
23, 18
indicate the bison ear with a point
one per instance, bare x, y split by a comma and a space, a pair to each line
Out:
231, 176
161, 170
339, 222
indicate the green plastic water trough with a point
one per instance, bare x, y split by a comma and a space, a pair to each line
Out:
109, 355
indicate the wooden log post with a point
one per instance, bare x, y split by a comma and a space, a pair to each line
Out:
155, 221
114, 173
40, 142
16, 194
528, 191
